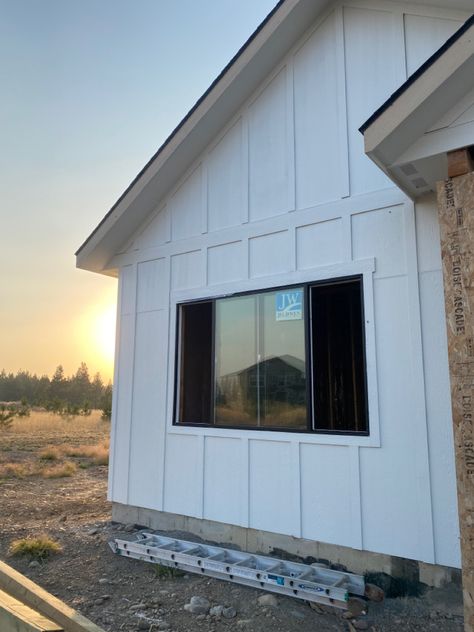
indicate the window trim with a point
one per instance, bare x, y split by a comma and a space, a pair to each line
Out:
362, 268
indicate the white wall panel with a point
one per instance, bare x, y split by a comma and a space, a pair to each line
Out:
149, 393
223, 480
319, 244
226, 263
156, 233
185, 207
325, 472
381, 234
440, 433
268, 151
317, 127
390, 504
187, 270
371, 76
183, 475
272, 498
423, 36
225, 185
152, 285
270, 254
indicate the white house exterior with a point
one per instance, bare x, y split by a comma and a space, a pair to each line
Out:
265, 189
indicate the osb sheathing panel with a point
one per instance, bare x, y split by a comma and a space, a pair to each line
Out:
456, 217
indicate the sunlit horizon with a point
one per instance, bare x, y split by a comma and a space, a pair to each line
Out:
82, 115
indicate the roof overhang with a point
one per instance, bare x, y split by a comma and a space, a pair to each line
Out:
241, 77
410, 135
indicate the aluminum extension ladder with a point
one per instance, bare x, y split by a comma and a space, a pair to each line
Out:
314, 582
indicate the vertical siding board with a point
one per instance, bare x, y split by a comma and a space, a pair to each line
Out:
245, 481
424, 505
345, 185
355, 496
268, 146
316, 112
245, 168
370, 53
113, 422
124, 400
296, 484
290, 134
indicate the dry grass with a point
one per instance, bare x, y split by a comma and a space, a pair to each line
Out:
51, 453
16, 470
61, 470
41, 422
98, 454
39, 547
47, 446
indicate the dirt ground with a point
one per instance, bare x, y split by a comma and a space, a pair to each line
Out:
123, 594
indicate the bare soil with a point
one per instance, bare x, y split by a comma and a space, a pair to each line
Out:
123, 594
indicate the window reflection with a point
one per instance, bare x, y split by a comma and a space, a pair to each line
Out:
260, 366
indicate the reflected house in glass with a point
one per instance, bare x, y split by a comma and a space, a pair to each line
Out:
282, 379
281, 373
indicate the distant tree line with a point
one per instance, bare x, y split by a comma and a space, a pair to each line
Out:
76, 394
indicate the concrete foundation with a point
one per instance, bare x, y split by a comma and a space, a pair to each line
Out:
266, 542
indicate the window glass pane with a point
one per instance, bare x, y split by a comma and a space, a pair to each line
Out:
282, 363
196, 363
236, 380
339, 386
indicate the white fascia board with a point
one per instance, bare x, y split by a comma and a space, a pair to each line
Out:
286, 25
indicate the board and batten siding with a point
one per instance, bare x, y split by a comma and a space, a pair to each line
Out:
284, 195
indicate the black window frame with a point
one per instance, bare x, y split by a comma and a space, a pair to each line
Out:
310, 416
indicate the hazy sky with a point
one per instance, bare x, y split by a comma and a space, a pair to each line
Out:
90, 89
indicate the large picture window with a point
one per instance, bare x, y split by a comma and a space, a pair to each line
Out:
286, 359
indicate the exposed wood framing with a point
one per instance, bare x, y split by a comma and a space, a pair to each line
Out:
16, 617
456, 218
23, 589
460, 162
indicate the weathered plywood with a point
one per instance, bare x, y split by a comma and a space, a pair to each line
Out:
20, 587
456, 215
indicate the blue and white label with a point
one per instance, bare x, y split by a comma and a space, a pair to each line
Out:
289, 305
278, 580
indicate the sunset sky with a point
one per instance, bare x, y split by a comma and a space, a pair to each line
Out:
90, 89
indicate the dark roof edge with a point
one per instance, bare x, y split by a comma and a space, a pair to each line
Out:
412, 78
183, 121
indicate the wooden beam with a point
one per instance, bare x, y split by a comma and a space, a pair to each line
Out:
456, 219
16, 617
26, 591
460, 162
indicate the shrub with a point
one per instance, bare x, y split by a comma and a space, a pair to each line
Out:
39, 548
49, 454
6, 417
62, 470
15, 470
106, 404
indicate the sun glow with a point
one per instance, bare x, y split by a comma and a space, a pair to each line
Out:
104, 333
95, 337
